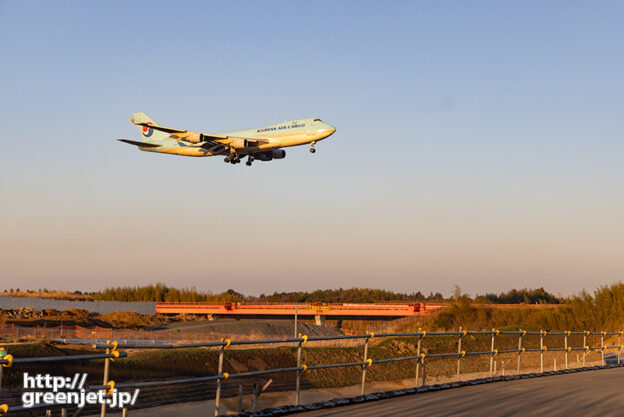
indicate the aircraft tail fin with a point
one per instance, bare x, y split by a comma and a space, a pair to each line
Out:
143, 121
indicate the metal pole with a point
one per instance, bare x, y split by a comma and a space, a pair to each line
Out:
602, 349
519, 348
619, 349
492, 354
298, 384
364, 366
418, 361
105, 381
220, 373
296, 333
424, 372
584, 346
566, 348
541, 351
459, 340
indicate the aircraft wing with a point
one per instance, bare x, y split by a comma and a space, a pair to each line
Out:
137, 143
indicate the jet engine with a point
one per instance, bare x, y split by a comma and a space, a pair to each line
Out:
193, 137
238, 143
270, 155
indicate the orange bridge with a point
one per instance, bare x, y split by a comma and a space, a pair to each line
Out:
353, 311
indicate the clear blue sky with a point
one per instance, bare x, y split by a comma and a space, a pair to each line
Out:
478, 144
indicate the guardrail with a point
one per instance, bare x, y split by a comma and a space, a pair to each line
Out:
420, 358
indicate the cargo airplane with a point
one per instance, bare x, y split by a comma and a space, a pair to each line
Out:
263, 144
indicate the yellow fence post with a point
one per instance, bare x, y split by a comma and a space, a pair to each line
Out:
494, 332
542, 351
520, 350
567, 333
106, 371
420, 336
368, 336
585, 333
304, 339
226, 343
105, 381
460, 354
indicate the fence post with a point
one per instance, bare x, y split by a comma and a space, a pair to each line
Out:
460, 354
619, 348
368, 336
584, 346
304, 338
424, 370
226, 343
492, 353
105, 379
567, 333
420, 336
602, 348
520, 350
542, 351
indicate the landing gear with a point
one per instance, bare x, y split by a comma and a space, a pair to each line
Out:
232, 159
312, 150
250, 159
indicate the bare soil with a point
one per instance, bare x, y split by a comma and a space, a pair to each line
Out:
252, 327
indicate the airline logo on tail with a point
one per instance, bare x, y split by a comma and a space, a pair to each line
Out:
147, 131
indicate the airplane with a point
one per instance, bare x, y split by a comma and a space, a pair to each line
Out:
263, 143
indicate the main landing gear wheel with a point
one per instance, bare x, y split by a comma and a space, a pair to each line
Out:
312, 150
249, 160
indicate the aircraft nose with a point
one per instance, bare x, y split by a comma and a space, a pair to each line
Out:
330, 129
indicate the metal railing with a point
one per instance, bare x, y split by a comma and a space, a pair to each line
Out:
420, 358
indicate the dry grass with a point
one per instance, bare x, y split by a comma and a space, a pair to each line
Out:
55, 294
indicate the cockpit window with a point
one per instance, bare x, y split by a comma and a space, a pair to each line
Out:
317, 120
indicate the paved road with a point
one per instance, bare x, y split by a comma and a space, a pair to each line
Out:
592, 393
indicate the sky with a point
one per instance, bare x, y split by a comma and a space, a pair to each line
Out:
478, 144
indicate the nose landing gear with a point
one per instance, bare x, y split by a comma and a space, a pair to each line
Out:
312, 150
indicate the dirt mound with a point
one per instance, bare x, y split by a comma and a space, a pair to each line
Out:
250, 328
128, 319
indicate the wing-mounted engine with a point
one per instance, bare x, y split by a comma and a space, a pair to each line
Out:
237, 143
270, 155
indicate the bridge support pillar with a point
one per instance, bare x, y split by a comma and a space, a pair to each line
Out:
319, 319
212, 317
